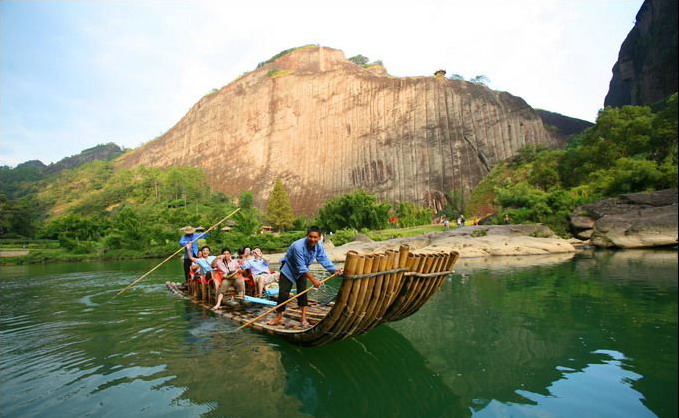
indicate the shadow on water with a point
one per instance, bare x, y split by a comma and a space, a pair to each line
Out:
377, 375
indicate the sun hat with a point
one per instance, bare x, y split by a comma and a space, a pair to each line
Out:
188, 229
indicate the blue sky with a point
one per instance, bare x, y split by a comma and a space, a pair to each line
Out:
76, 74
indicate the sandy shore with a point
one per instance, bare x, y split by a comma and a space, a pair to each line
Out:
469, 241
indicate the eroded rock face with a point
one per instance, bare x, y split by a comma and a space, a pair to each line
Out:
326, 126
630, 221
646, 70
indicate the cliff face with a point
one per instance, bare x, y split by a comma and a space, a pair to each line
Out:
326, 126
646, 71
562, 126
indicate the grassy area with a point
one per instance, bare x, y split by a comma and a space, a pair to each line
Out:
385, 234
52, 255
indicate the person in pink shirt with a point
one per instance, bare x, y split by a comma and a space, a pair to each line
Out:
227, 274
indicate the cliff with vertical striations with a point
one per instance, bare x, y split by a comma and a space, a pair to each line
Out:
326, 126
646, 70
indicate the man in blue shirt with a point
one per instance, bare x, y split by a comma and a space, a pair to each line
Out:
295, 270
261, 273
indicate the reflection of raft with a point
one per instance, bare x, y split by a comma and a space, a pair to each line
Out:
376, 288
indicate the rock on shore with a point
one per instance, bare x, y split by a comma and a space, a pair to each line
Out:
633, 220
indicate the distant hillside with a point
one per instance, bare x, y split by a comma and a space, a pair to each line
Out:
18, 181
105, 152
564, 126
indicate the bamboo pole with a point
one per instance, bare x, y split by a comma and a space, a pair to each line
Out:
366, 296
175, 253
352, 309
286, 302
327, 330
377, 301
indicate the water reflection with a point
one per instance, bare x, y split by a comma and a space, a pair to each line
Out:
565, 336
379, 375
601, 389
503, 335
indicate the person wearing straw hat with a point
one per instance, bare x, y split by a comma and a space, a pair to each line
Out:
190, 236
295, 271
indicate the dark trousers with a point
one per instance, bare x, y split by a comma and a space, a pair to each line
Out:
187, 268
284, 288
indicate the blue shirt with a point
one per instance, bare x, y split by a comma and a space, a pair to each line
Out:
298, 258
191, 237
205, 264
256, 266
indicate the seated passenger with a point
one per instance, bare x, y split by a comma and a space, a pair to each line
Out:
246, 254
226, 275
262, 274
203, 263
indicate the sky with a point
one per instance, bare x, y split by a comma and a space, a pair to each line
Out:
77, 74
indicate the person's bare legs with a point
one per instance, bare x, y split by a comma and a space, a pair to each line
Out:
259, 282
219, 301
302, 319
276, 320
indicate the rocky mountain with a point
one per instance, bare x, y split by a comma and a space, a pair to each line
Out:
326, 126
29, 172
561, 125
32, 164
107, 152
646, 70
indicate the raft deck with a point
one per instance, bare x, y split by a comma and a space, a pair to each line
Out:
376, 288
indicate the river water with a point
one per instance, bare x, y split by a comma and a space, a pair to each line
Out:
586, 335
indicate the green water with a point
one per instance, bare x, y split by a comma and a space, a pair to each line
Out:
593, 335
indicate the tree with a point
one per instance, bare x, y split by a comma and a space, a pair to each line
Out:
359, 59
480, 79
411, 214
355, 210
279, 209
246, 199
247, 221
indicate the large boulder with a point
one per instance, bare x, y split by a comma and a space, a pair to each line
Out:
634, 220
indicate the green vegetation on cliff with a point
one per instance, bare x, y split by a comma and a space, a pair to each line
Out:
629, 149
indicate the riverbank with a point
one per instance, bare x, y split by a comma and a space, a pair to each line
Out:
470, 241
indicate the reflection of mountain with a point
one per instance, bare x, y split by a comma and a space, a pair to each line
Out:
377, 375
501, 334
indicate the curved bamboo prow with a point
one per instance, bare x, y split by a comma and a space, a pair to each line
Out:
376, 288
379, 288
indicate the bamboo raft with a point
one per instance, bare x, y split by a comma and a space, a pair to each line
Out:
376, 288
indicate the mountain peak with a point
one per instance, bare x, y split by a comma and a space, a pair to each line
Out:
313, 59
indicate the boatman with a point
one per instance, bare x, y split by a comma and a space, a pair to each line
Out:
190, 236
295, 269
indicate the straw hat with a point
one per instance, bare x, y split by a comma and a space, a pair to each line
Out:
200, 228
188, 230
